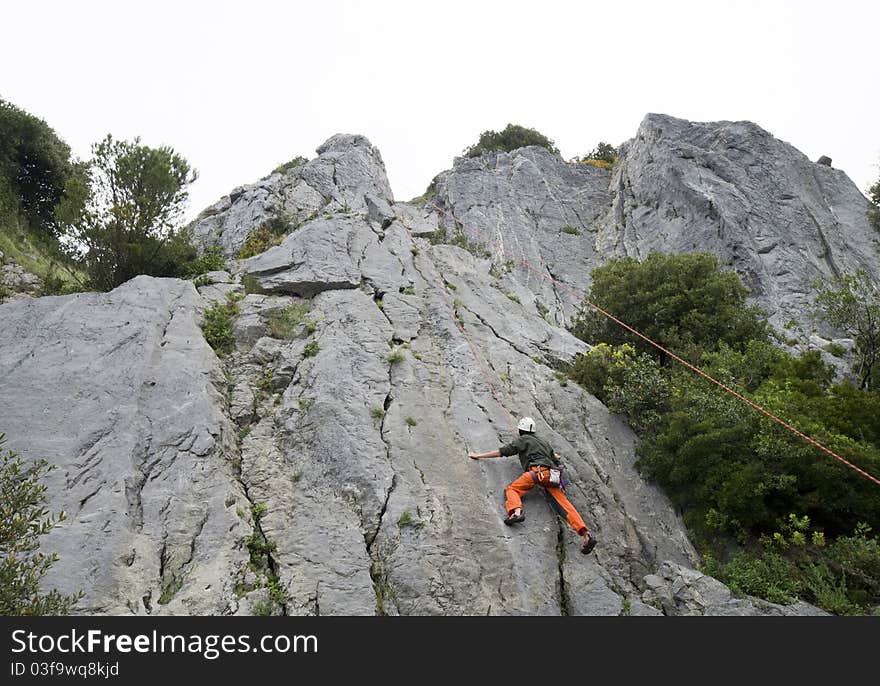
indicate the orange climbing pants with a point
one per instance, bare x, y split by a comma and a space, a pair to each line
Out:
526, 482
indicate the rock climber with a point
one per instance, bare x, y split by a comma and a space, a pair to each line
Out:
540, 465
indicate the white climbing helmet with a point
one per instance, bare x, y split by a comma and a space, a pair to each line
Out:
526, 424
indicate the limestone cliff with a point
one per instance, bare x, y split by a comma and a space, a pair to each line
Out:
329, 456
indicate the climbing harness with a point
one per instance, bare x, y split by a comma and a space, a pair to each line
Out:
541, 273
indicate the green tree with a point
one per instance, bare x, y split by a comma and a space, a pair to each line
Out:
852, 304
122, 216
604, 152
874, 210
684, 302
35, 165
512, 137
23, 519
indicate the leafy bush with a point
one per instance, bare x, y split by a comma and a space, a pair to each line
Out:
601, 164
23, 520
217, 326
769, 576
411, 422
251, 284
735, 474
570, 230
269, 234
511, 138
852, 303
377, 412
211, 260
604, 153
460, 240
282, 323
835, 349
311, 349
287, 166
35, 166
874, 209
121, 216
397, 356
684, 302
631, 384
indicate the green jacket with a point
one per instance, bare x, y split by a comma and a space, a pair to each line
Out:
533, 451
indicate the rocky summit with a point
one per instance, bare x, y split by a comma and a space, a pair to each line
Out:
320, 467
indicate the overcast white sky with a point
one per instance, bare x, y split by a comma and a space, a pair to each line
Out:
239, 87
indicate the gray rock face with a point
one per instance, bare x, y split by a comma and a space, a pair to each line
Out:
681, 591
348, 175
321, 467
529, 205
728, 188
120, 391
759, 204
16, 282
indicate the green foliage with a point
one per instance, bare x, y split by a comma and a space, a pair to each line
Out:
734, 474
287, 166
874, 209
769, 576
835, 349
514, 298
411, 422
23, 520
601, 164
405, 519
630, 383
397, 356
511, 138
35, 166
377, 412
311, 349
842, 578
710, 451
459, 240
603, 152
265, 384
604, 155
217, 326
211, 260
170, 589
120, 216
251, 284
283, 323
269, 234
409, 290
852, 304
570, 230
684, 302
305, 403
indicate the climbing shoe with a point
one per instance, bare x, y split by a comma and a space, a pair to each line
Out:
587, 547
513, 519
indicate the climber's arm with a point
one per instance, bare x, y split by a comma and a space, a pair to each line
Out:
480, 456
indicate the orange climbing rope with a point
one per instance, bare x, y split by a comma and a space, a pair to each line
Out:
626, 326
